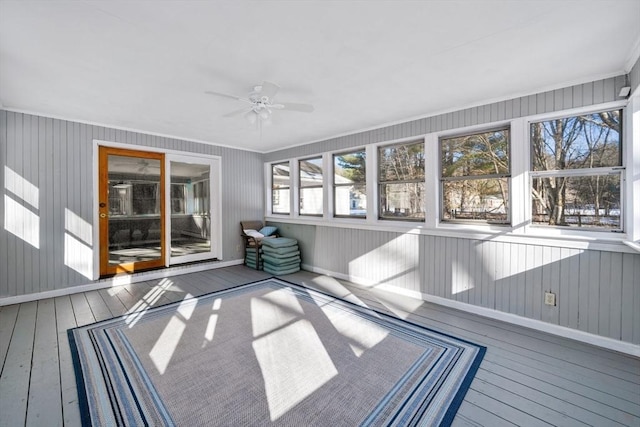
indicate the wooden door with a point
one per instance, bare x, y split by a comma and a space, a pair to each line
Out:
131, 210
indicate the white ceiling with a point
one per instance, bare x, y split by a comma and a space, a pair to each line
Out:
144, 65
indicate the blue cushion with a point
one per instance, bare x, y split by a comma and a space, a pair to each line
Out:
281, 242
268, 230
280, 272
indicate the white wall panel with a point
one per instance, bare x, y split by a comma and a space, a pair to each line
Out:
56, 158
596, 291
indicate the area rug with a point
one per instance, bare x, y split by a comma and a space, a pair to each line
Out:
268, 353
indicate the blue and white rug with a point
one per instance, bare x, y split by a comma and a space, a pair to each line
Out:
269, 353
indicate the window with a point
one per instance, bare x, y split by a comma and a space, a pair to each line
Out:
577, 171
280, 187
349, 184
311, 186
475, 177
401, 181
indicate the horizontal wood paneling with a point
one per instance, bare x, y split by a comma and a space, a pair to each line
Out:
55, 159
596, 291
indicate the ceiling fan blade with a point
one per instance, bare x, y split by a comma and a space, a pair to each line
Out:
292, 106
269, 89
224, 95
236, 112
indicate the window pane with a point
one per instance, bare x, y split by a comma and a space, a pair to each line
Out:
588, 141
476, 155
280, 201
190, 208
280, 182
311, 172
350, 168
350, 197
351, 200
311, 192
577, 201
401, 162
476, 199
311, 201
405, 200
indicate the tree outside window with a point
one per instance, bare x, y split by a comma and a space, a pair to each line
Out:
401, 181
349, 184
577, 171
475, 177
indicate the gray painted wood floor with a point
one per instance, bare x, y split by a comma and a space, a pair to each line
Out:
526, 378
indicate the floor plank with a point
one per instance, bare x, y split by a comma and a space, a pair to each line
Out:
65, 320
8, 317
14, 381
44, 405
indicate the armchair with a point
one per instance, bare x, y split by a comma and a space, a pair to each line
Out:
252, 233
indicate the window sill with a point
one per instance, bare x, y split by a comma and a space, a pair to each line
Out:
574, 239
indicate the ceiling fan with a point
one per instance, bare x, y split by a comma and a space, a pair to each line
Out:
261, 104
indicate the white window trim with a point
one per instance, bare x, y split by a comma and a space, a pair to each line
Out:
268, 175
541, 230
298, 187
521, 230
478, 129
216, 191
376, 204
331, 190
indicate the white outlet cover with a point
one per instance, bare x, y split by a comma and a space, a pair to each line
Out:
550, 298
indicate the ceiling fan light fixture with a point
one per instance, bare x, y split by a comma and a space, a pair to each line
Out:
261, 102
264, 114
251, 117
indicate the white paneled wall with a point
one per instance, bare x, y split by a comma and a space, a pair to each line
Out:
597, 291
47, 172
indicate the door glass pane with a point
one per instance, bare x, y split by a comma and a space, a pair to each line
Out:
190, 209
134, 209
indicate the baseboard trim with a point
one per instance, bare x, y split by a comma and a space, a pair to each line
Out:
562, 331
120, 281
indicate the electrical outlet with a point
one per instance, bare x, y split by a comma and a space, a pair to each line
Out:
550, 298
237, 248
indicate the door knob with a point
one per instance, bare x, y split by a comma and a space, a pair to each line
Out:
103, 215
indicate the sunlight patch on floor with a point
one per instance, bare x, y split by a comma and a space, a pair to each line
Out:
333, 287
294, 364
135, 313
274, 310
166, 345
362, 335
163, 349
211, 324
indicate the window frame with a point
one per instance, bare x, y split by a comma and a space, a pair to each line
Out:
619, 169
334, 185
521, 229
273, 188
381, 183
320, 186
508, 176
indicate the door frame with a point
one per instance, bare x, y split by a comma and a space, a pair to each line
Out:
215, 188
215, 207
